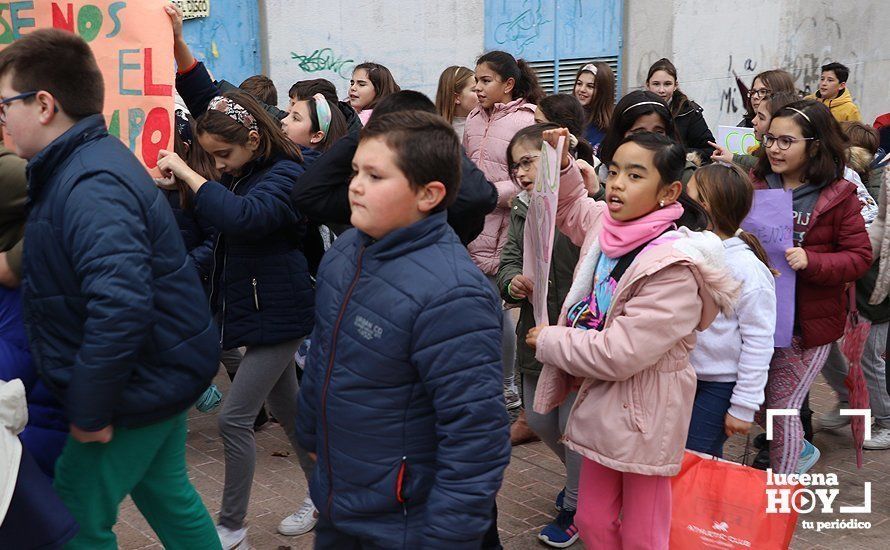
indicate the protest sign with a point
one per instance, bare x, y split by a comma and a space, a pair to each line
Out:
540, 227
771, 220
736, 140
192, 9
133, 44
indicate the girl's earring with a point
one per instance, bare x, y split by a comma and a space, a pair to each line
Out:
661, 204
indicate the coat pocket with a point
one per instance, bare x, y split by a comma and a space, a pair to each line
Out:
638, 411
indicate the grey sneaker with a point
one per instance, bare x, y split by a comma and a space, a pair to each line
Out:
880, 439
834, 420
512, 398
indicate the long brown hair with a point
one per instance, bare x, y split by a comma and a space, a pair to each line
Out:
678, 99
197, 159
273, 141
451, 82
526, 84
602, 104
381, 79
728, 193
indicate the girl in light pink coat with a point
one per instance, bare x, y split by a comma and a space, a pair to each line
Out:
642, 289
507, 90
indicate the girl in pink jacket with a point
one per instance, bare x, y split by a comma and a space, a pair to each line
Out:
642, 288
507, 90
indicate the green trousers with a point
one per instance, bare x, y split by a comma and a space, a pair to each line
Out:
147, 463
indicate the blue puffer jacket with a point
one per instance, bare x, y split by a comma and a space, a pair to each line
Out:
260, 281
47, 428
117, 321
402, 396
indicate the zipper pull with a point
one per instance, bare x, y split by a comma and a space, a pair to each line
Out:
256, 296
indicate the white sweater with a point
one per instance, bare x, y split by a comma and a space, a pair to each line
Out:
738, 348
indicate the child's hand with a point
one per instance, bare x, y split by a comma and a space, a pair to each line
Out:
171, 165
175, 14
102, 436
720, 154
521, 287
532, 337
735, 426
797, 258
588, 173
552, 137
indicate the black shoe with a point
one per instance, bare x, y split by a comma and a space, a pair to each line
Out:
760, 441
261, 420
761, 461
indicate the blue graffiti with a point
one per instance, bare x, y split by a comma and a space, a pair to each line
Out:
523, 30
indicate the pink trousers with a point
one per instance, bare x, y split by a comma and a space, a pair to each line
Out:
644, 503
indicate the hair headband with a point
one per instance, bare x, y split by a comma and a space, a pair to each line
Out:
590, 68
645, 103
183, 127
801, 113
234, 111
323, 110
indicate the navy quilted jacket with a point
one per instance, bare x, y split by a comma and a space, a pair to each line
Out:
260, 281
117, 321
402, 397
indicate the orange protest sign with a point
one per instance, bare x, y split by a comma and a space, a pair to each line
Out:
133, 44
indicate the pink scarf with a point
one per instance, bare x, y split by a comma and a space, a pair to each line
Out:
619, 238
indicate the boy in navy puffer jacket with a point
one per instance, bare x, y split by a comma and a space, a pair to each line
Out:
402, 395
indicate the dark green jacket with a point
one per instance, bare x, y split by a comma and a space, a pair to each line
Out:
562, 268
13, 192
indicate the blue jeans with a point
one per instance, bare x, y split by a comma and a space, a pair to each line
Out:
706, 429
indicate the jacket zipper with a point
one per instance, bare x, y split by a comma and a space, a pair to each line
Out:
327, 378
256, 296
400, 480
222, 317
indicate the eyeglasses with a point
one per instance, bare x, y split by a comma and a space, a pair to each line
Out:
525, 163
784, 142
762, 93
5, 102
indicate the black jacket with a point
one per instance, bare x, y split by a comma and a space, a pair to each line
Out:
322, 192
694, 131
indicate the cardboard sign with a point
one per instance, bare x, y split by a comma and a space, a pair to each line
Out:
736, 140
771, 220
540, 227
133, 44
192, 9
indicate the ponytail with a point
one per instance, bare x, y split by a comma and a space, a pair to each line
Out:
756, 247
526, 84
729, 194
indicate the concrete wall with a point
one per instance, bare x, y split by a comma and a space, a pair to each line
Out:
707, 41
415, 39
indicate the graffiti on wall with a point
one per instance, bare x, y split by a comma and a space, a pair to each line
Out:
324, 59
519, 31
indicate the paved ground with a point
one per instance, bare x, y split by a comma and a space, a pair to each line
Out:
525, 501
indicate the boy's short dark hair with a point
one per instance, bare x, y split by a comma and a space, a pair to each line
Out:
60, 63
425, 146
404, 100
840, 71
261, 88
305, 89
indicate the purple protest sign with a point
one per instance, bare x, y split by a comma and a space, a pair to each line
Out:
540, 227
771, 220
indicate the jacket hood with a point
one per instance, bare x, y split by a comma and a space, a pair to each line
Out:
503, 109
843, 97
407, 239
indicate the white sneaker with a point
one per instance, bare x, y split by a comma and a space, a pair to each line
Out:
232, 539
880, 439
301, 521
834, 420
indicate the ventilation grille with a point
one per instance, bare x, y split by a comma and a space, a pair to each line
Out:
567, 70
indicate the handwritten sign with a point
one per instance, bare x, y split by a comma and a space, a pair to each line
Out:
540, 227
192, 9
133, 44
736, 140
771, 220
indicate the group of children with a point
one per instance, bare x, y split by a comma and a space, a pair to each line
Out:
662, 307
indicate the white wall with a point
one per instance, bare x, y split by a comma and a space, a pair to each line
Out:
708, 40
415, 39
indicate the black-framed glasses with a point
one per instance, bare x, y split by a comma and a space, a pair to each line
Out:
6, 101
784, 142
762, 93
525, 163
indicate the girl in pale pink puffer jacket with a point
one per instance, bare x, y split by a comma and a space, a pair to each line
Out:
507, 90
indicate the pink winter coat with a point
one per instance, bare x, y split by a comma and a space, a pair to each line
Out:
636, 384
486, 137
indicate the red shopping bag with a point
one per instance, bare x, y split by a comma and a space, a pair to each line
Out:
719, 504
